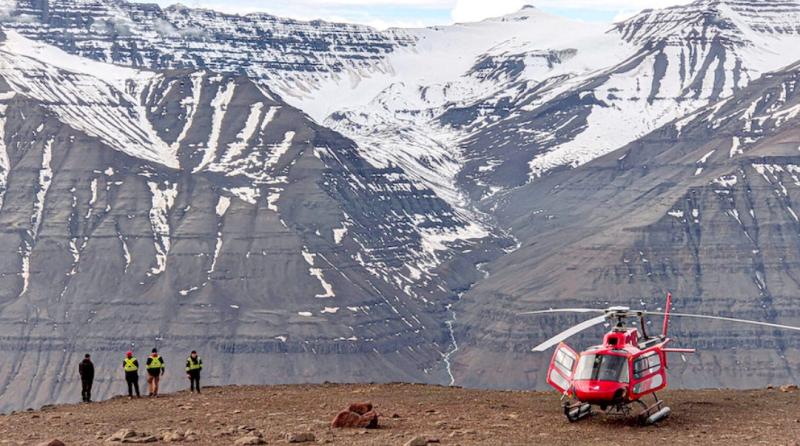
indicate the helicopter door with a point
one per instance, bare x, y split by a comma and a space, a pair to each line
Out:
562, 368
649, 373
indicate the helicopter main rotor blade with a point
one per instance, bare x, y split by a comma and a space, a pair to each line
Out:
728, 319
564, 310
569, 333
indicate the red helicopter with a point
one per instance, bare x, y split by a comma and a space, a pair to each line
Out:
618, 374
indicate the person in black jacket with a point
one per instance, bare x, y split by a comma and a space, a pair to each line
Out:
86, 370
131, 366
193, 366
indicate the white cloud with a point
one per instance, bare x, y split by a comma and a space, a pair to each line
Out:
474, 10
413, 13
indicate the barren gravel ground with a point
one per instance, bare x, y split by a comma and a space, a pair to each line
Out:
453, 416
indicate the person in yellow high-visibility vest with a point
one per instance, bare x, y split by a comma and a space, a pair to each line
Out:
155, 370
131, 367
193, 366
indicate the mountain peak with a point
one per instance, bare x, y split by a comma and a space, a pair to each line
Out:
738, 21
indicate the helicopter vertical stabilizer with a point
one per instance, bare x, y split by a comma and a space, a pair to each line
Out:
666, 314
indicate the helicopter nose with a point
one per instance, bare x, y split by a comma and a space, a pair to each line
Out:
597, 392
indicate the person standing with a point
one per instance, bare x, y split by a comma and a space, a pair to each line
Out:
131, 366
155, 370
193, 366
86, 370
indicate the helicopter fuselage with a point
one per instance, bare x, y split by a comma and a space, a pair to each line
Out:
621, 370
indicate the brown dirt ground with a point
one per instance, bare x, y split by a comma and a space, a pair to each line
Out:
454, 416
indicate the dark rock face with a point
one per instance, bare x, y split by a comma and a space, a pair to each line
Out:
191, 210
145, 35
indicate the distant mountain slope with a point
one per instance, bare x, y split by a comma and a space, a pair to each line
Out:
704, 207
187, 209
467, 110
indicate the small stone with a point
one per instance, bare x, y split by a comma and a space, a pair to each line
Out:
171, 437
122, 435
249, 440
53, 442
788, 388
417, 441
302, 437
142, 439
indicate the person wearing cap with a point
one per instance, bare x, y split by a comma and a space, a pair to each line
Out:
193, 366
86, 371
131, 366
155, 370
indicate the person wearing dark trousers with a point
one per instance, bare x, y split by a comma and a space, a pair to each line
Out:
155, 370
131, 366
86, 370
193, 367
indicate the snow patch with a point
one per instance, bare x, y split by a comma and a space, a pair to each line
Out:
222, 205
675, 213
339, 234
220, 106
163, 198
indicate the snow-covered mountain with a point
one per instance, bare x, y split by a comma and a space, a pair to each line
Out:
328, 201
193, 209
704, 206
463, 109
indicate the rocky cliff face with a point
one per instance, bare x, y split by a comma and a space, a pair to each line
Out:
192, 210
703, 207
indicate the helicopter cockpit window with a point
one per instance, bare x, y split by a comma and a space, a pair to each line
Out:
602, 368
646, 365
565, 360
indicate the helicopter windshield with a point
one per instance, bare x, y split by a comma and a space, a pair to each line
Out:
602, 368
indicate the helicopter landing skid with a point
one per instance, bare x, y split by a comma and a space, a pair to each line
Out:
577, 411
653, 413
648, 414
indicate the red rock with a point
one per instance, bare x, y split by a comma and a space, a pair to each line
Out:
352, 420
360, 408
369, 420
346, 419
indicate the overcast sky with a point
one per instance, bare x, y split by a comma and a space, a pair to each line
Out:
405, 13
